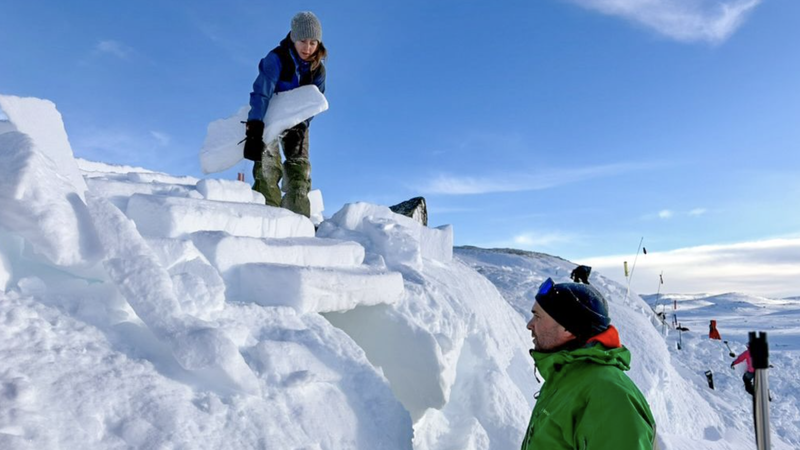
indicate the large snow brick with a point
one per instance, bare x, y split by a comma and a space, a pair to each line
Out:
314, 289
158, 216
226, 191
223, 147
42, 122
42, 206
407, 354
225, 251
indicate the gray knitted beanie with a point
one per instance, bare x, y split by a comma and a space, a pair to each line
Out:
305, 25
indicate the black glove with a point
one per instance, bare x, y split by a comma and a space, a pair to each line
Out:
293, 139
254, 142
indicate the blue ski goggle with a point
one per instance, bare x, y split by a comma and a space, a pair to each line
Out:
546, 287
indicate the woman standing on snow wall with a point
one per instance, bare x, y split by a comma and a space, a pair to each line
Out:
297, 61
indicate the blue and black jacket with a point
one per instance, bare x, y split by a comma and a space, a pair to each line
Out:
282, 70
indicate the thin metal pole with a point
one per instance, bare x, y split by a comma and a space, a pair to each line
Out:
628, 290
759, 352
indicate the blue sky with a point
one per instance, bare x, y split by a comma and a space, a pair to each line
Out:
568, 127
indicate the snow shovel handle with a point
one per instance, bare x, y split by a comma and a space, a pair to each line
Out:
759, 352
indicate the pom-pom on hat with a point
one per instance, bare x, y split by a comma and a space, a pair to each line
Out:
305, 25
580, 308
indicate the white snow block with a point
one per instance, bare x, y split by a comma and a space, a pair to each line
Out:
314, 289
225, 251
135, 270
118, 192
197, 285
317, 206
223, 149
160, 216
40, 204
226, 191
396, 237
163, 178
42, 122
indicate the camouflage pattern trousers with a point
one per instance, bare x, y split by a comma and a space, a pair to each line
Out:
295, 172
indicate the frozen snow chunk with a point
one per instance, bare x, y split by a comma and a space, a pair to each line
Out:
159, 216
225, 251
226, 191
223, 146
398, 238
317, 206
42, 122
314, 289
40, 204
198, 285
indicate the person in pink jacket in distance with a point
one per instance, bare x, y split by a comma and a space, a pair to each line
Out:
749, 376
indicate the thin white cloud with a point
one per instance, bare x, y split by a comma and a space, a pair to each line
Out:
711, 21
767, 268
114, 48
669, 214
698, 212
161, 138
537, 240
534, 240
465, 185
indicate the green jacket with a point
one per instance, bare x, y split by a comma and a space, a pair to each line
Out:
587, 402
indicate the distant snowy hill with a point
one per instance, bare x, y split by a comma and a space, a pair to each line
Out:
145, 310
688, 413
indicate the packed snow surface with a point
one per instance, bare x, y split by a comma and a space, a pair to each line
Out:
146, 310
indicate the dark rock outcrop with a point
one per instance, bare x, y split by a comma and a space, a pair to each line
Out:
416, 208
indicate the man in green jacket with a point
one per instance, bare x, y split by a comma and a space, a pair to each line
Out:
586, 401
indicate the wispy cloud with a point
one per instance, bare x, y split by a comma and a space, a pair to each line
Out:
698, 212
544, 179
114, 48
161, 138
665, 214
538, 240
711, 21
768, 268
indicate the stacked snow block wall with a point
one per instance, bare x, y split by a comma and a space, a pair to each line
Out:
203, 241
219, 291
208, 241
